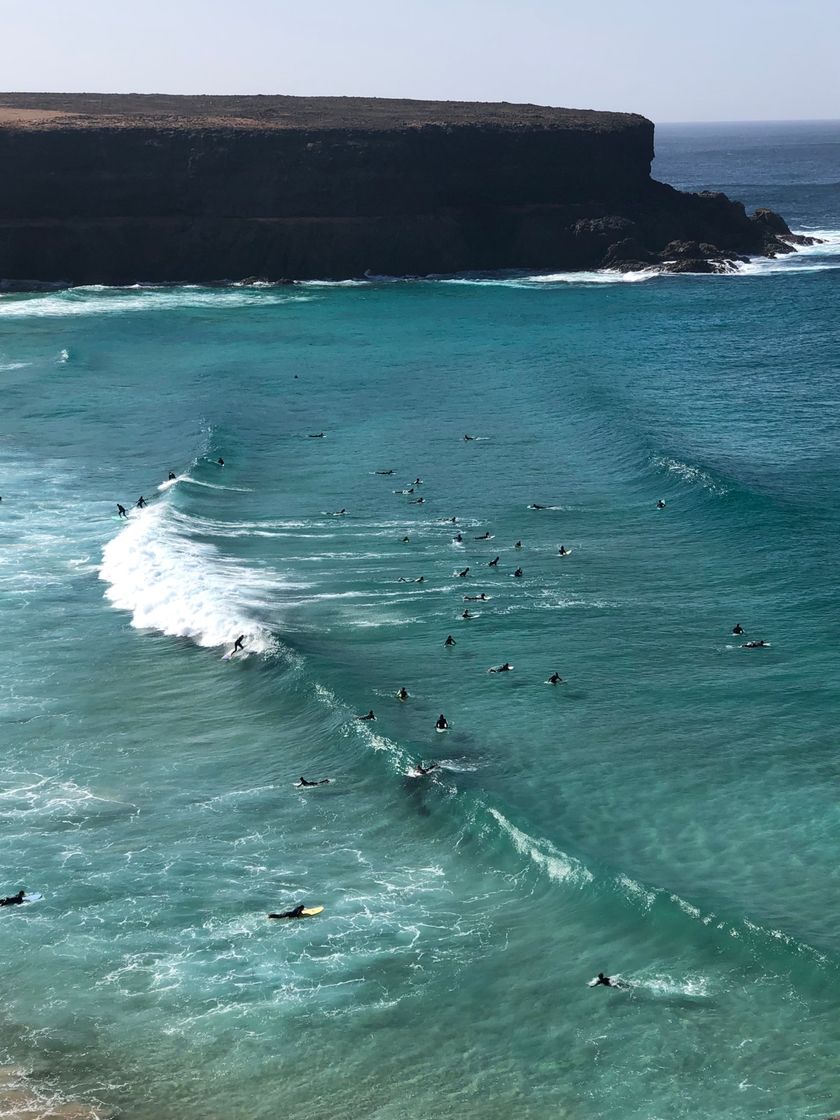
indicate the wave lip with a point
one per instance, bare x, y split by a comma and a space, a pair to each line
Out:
185, 588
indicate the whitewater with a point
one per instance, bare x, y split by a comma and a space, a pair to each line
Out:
667, 814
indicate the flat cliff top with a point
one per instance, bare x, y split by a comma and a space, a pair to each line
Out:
50, 111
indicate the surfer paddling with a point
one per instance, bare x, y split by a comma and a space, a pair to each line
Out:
602, 981
506, 668
295, 912
368, 718
421, 771
442, 723
323, 782
13, 899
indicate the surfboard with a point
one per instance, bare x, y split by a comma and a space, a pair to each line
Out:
35, 896
228, 656
311, 911
568, 552
441, 730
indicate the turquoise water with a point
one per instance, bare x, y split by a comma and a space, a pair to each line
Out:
669, 814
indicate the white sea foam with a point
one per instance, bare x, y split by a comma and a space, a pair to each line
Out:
182, 587
118, 301
557, 865
688, 473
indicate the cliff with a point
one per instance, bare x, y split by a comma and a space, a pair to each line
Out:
116, 189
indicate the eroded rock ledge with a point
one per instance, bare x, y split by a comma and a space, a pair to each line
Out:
120, 189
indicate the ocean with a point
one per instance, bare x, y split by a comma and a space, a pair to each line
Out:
668, 815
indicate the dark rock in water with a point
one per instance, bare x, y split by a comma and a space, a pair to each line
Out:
118, 189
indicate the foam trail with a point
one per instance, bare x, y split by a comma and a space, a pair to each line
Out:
183, 587
557, 865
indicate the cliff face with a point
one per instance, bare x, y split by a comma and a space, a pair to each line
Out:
117, 190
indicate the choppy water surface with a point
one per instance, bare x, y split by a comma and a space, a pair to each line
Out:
669, 814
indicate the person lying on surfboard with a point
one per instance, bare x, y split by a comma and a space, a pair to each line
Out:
296, 912
13, 899
369, 716
758, 644
323, 782
506, 668
422, 770
442, 724
607, 982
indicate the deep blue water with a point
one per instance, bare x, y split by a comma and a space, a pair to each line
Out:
669, 814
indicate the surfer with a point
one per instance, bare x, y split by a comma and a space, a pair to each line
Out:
518, 544
323, 782
606, 982
296, 912
422, 770
464, 573
383, 472
141, 502
405, 540
494, 563
238, 644
121, 511
660, 504
450, 641
317, 435
469, 437
563, 551
402, 694
13, 899
457, 538
506, 668
220, 461
758, 644
534, 505
483, 537
482, 598
555, 678
340, 512
518, 573
369, 716
442, 723
417, 482
417, 501
453, 520
466, 614
738, 628
171, 476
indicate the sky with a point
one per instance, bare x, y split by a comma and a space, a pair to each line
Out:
672, 60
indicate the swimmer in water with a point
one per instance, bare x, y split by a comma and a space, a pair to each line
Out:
555, 678
457, 538
13, 899
518, 573
518, 544
660, 504
141, 502
758, 644
323, 782
562, 551
239, 643
442, 723
297, 912
738, 628
171, 476
465, 573
607, 982
483, 537
121, 511
422, 770
494, 563
402, 694
220, 461
469, 437
466, 614
506, 668
450, 641
368, 717
405, 540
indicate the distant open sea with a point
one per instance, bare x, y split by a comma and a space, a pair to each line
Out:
669, 815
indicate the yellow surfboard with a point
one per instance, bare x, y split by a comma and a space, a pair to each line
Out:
311, 911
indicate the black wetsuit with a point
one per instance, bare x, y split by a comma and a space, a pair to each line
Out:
13, 899
297, 912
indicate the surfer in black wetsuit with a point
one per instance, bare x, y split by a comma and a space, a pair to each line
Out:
450, 641
417, 501
518, 573
402, 694
563, 551
518, 544
738, 628
457, 538
141, 502
506, 668
406, 540
453, 520
482, 598
172, 476
323, 782
442, 723
494, 563
121, 511
660, 504
238, 644
297, 912
13, 899
383, 472
465, 573
469, 437
555, 678
758, 644
534, 505
317, 435
606, 981
417, 482
422, 770
466, 614
369, 716
483, 537
220, 461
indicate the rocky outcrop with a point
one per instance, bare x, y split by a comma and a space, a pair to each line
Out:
119, 189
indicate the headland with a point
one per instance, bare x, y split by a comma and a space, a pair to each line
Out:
121, 189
